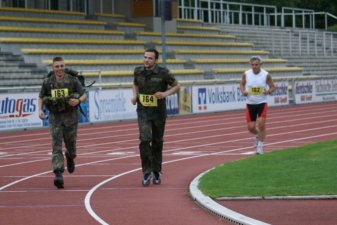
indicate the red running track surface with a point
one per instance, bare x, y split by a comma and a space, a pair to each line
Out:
106, 186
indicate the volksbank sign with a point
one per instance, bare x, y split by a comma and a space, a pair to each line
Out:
217, 98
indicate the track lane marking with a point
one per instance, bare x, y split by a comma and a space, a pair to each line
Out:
87, 200
197, 138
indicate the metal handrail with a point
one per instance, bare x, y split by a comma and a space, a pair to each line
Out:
219, 11
225, 12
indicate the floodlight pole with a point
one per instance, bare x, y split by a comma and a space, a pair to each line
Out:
163, 31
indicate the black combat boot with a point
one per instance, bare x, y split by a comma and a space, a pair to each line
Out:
58, 180
70, 164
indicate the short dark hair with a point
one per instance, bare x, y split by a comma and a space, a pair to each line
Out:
156, 53
57, 59
256, 57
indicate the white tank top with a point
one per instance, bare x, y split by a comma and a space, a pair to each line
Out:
256, 84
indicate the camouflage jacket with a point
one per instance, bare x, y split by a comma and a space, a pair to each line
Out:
56, 95
149, 82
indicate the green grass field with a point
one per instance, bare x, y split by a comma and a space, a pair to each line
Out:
308, 170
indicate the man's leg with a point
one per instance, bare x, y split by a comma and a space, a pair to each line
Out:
145, 136
57, 155
157, 148
261, 124
70, 135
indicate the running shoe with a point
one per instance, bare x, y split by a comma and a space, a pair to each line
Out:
259, 148
156, 178
147, 179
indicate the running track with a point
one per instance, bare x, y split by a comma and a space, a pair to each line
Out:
106, 186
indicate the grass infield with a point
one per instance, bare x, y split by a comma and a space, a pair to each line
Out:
308, 170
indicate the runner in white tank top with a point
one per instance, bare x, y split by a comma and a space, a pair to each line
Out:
256, 84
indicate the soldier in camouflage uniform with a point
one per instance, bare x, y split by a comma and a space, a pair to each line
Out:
150, 88
61, 93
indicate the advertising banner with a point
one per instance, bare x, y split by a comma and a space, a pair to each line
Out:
107, 105
213, 98
280, 96
172, 106
19, 111
185, 100
310, 91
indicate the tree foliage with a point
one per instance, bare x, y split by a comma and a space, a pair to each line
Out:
317, 5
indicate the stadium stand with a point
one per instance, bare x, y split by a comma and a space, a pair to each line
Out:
7, 31
198, 29
223, 54
150, 36
15, 45
37, 54
109, 78
107, 47
109, 18
41, 13
54, 23
189, 22
302, 47
277, 72
114, 64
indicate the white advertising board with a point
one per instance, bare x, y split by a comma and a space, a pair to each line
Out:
19, 111
214, 98
310, 91
107, 105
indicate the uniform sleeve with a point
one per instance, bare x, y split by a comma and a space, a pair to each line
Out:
171, 80
135, 77
136, 74
43, 91
78, 86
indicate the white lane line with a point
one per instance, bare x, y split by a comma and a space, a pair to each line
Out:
187, 153
302, 117
91, 192
121, 153
314, 110
184, 148
207, 137
37, 206
172, 135
26, 162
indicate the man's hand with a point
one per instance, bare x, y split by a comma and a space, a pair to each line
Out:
74, 102
245, 93
42, 116
160, 95
134, 100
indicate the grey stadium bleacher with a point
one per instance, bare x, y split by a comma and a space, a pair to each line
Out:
108, 47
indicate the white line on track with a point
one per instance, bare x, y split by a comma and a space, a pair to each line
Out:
304, 117
91, 192
199, 138
188, 147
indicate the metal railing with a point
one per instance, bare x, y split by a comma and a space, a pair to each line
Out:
219, 11
300, 31
299, 18
303, 42
225, 12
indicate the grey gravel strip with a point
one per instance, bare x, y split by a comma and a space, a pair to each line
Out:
218, 209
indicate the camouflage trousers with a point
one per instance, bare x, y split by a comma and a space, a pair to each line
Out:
67, 134
151, 133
